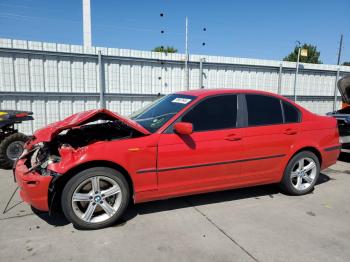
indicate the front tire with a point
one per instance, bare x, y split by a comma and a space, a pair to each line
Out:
95, 198
301, 174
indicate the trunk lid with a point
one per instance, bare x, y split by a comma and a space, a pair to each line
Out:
344, 88
47, 133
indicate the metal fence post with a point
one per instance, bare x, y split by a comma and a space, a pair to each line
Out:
187, 73
279, 91
201, 72
336, 90
14, 72
296, 75
101, 78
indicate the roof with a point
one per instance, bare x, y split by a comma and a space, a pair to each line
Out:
201, 93
209, 92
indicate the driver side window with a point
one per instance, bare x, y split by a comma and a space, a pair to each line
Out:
219, 112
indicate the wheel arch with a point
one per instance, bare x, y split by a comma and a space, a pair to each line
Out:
311, 149
58, 183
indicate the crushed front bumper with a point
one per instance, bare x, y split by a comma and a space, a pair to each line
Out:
34, 188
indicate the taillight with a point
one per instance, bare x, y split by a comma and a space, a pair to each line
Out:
22, 115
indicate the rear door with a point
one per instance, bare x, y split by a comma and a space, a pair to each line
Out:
272, 127
206, 159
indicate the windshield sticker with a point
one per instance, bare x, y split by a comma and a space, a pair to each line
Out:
180, 100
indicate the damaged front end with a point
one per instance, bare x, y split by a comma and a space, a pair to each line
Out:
343, 120
38, 158
61, 144
343, 115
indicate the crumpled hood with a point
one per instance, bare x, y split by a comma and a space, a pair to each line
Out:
344, 88
47, 133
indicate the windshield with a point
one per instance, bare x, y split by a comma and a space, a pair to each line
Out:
153, 116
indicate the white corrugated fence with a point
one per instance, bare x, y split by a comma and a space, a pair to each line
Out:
56, 80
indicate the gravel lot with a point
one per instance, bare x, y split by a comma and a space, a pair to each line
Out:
253, 224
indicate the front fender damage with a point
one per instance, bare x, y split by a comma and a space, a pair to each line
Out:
58, 170
68, 144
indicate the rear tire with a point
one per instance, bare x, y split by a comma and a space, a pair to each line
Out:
301, 174
95, 198
11, 147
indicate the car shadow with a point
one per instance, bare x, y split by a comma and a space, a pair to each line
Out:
344, 157
57, 219
205, 199
323, 179
134, 210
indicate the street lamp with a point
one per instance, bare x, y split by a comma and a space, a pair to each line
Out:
187, 71
301, 52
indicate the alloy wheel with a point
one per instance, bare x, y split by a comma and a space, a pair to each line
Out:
303, 173
96, 199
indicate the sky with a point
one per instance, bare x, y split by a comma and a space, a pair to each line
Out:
250, 28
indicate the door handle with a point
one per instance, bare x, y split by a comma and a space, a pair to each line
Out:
233, 138
290, 131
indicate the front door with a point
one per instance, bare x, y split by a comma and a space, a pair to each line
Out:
208, 158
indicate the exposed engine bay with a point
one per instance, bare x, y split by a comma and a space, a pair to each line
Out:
343, 120
87, 134
45, 153
343, 115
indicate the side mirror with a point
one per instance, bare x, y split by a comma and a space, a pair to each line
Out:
183, 128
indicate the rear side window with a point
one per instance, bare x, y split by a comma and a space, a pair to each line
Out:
214, 113
263, 110
291, 114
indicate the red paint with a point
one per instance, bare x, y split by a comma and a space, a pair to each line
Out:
33, 187
22, 115
172, 164
183, 128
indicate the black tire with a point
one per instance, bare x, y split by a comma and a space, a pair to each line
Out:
6, 161
81, 177
286, 184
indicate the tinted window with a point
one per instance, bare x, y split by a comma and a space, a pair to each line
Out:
153, 116
218, 112
291, 114
263, 110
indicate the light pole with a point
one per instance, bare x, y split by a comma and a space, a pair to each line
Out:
86, 23
187, 77
338, 72
296, 73
301, 52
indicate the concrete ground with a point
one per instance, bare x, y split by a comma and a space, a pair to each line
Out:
254, 224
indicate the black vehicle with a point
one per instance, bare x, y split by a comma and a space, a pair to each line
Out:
11, 141
343, 115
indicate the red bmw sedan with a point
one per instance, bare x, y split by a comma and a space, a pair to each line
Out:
93, 163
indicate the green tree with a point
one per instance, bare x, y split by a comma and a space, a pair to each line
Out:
167, 49
313, 56
346, 63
